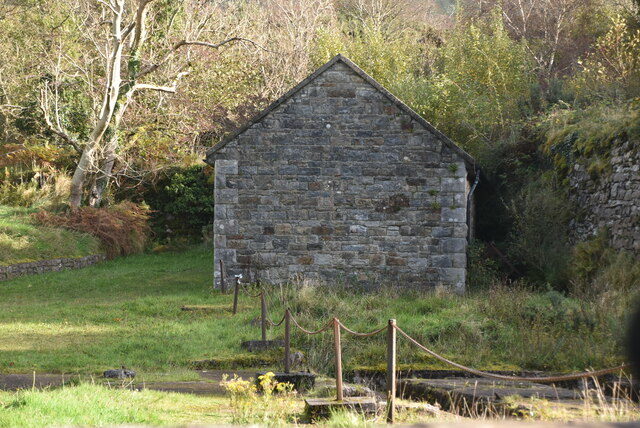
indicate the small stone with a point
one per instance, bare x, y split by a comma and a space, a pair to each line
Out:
119, 374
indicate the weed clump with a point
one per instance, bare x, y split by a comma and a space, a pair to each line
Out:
122, 229
253, 403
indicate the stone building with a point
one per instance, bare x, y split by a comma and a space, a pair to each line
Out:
341, 182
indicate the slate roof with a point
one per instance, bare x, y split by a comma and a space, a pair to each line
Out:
470, 162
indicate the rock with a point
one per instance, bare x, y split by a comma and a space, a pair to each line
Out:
119, 374
295, 359
357, 391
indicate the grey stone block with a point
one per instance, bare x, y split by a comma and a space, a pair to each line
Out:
454, 245
224, 166
453, 215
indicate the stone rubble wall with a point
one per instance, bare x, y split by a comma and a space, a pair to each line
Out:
338, 184
612, 200
44, 266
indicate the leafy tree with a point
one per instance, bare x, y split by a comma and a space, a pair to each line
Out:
481, 89
143, 40
612, 69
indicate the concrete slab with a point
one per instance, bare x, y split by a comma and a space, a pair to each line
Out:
321, 408
473, 397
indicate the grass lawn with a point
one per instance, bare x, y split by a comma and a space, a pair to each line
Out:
122, 312
94, 405
23, 241
127, 312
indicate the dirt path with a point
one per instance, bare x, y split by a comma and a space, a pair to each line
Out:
209, 385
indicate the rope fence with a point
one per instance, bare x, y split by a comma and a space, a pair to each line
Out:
391, 328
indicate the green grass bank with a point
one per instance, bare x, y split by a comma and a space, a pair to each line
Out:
21, 240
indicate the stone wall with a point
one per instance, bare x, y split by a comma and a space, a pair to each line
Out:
43, 266
611, 200
338, 184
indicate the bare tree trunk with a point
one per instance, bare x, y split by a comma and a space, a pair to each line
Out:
105, 173
112, 92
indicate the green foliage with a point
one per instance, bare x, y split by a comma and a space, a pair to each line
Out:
600, 272
612, 70
264, 408
540, 234
182, 202
589, 257
588, 135
388, 56
482, 87
482, 271
31, 194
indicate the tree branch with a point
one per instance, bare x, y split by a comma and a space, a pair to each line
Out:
169, 89
44, 106
109, 5
153, 67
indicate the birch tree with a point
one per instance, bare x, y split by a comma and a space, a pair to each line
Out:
132, 46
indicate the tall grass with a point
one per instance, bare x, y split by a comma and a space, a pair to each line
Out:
51, 192
504, 327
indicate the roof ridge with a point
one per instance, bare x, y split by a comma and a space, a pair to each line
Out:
359, 71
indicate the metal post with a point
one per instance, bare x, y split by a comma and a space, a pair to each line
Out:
287, 341
263, 317
338, 350
223, 285
235, 296
391, 371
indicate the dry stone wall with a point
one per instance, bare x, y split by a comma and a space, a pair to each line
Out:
611, 200
338, 184
44, 266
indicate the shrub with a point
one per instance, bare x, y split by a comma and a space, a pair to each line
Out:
612, 69
182, 202
481, 90
483, 271
45, 189
601, 272
122, 229
540, 235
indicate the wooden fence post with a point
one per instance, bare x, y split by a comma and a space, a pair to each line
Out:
338, 350
391, 371
235, 296
287, 341
263, 316
223, 285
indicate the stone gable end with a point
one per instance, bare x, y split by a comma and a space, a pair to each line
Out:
339, 184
